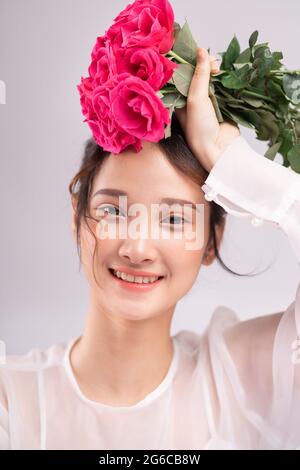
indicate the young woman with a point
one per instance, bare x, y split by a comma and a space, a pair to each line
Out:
125, 383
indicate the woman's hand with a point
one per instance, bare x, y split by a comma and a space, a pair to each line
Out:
206, 138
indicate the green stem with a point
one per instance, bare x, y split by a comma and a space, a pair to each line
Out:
165, 92
285, 71
177, 57
294, 130
215, 105
257, 95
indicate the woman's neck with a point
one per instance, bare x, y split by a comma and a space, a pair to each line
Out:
118, 362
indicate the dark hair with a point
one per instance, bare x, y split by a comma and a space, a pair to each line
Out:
178, 154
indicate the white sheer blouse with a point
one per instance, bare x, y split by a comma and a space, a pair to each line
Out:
236, 386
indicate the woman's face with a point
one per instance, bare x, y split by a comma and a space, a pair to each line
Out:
146, 177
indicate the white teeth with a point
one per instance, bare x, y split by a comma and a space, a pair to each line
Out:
137, 279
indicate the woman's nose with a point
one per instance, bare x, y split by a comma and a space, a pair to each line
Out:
138, 251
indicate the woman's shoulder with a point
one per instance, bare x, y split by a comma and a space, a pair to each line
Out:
246, 334
251, 344
251, 351
238, 335
231, 340
20, 371
34, 359
188, 340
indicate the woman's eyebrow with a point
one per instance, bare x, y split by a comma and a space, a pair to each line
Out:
110, 192
167, 200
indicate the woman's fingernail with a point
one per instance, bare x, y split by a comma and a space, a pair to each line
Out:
202, 53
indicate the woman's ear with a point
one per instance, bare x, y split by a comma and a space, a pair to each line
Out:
210, 255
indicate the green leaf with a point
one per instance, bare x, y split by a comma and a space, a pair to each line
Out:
287, 141
275, 90
229, 96
277, 56
171, 81
237, 79
262, 51
236, 117
252, 92
185, 46
257, 83
253, 39
253, 117
177, 26
256, 90
294, 157
168, 129
182, 77
263, 62
238, 66
269, 127
255, 102
244, 57
174, 100
291, 86
231, 54
258, 46
272, 151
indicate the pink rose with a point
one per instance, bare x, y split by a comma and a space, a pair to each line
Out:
137, 109
123, 112
100, 42
146, 63
103, 65
106, 131
86, 92
144, 23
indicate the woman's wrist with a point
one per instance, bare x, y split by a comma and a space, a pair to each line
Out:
208, 155
220, 147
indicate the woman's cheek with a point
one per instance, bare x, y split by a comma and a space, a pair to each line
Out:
182, 264
88, 246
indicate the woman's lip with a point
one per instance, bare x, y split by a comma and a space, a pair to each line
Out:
133, 286
135, 273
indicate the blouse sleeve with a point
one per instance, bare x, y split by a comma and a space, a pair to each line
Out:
259, 360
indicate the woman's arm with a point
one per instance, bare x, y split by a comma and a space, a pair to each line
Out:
242, 181
265, 349
249, 185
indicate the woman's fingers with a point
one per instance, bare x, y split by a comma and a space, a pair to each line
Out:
214, 68
199, 85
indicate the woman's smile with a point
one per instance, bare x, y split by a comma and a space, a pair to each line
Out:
135, 285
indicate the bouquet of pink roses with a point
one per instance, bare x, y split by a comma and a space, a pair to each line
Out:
119, 97
141, 70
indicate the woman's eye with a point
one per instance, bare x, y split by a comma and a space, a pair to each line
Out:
178, 220
103, 211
